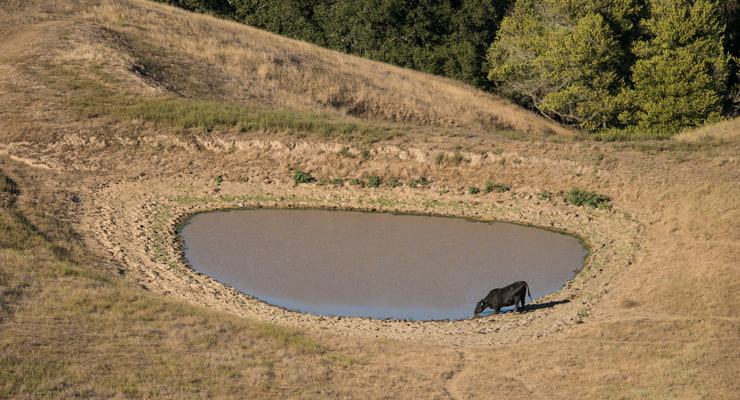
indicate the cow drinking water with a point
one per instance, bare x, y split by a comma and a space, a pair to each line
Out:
503, 297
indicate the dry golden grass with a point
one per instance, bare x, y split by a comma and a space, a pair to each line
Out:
80, 319
725, 130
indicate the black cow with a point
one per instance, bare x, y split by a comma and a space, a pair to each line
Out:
505, 296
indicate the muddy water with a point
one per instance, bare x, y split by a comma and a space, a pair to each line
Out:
373, 264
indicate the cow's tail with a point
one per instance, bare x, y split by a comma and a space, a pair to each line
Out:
528, 294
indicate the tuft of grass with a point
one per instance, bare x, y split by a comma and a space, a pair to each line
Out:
422, 181
455, 158
498, 187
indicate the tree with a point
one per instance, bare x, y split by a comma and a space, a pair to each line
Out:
654, 67
582, 62
561, 58
680, 76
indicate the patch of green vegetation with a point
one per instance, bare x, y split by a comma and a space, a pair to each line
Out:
208, 116
302, 177
580, 197
373, 181
96, 94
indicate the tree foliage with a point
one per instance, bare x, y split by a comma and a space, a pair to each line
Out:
652, 66
680, 76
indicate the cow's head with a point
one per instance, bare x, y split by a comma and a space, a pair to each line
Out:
480, 307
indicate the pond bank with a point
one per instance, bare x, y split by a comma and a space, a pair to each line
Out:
147, 248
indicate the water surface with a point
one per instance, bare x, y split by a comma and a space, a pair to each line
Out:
375, 265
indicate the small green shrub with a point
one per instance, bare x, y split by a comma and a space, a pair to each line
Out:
302, 177
373, 181
473, 190
393, 182
357, 182
580, 197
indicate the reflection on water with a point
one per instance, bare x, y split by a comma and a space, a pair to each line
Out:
375, 264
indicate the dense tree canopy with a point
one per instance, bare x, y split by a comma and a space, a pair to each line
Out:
649, 66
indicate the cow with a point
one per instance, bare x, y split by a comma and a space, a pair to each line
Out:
505, 296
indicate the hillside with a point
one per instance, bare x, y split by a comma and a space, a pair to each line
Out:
118, 119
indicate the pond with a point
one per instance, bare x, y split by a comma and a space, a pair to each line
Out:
378, 265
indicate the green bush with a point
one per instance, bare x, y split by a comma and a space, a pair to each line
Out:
473, 190
580, 197
302, 177
373, 181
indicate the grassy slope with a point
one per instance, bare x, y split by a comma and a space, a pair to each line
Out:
74, 77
